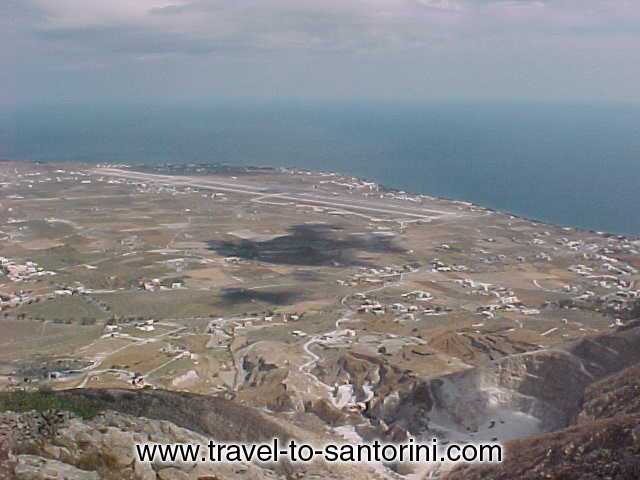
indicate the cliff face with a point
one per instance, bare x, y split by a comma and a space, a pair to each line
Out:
516, 396
602, 438
604, 443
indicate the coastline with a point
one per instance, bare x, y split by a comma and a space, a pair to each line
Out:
148, 167
385, 188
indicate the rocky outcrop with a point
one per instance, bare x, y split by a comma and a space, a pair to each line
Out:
214, 417
32, 467
103, 448
373, 379
7, 460
263, 384
325, 412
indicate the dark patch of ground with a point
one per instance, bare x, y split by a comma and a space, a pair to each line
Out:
234, 296
308, 276
312, 245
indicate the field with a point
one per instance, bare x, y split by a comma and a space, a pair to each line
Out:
281, 289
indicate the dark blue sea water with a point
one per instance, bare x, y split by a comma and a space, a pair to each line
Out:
569, 164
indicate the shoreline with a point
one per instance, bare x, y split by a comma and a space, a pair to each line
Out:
386, 188
381, 186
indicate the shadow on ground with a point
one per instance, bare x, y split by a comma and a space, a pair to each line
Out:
233, 296
311, 245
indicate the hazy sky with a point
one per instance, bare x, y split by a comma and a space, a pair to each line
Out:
79, 50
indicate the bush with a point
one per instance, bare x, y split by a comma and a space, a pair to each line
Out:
42, 401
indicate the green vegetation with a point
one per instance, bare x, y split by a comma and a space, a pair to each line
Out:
57, 258
67, 309
162, 304
42, 401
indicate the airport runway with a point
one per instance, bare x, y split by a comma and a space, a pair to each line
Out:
340, 202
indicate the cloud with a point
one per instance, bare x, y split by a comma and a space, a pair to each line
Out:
212, 25
82, 14
342, 47
206, 26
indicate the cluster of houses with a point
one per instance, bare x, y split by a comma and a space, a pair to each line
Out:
573, 245
378, 276
606, 272
480, 288
173, 190
506, 299
369, 189
506, 304
157, 284
620, 303
406, 311
26, 297
418, 295
616, 267
113, 330
371, 306
543, 257
619, 269
58, 175
219, 338
601, 271
352, 184
616, 273
234, 260
146, 325
13, 300
625, 298
70, 290
404, 196
173, 349
621, 245
20, 272
439, 266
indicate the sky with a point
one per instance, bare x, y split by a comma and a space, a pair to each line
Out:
393, 50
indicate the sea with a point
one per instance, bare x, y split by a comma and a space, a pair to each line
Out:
568, 164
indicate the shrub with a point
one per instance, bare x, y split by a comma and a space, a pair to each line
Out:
43, 401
